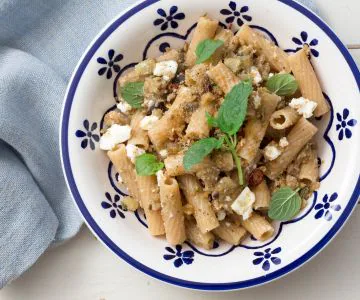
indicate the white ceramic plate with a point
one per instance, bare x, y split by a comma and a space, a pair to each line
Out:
145, 30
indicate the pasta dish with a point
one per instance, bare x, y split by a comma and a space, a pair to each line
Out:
214, 140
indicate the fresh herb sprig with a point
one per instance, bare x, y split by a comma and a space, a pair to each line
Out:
206, 48
133, 93
199, 150
282, 84
147, 164
230, 118
285, 204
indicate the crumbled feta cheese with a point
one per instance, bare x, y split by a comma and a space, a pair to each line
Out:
166, 68
243, 203
257, 101
283, 142
271, 152
132, 152
163, 153
270, 75
147, 122
116, 134
221, 214
255, 74
303, 106
124, 107
160, 176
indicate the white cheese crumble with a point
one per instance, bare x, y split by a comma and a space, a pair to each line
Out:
221, 214
283, 142
116, 134
160, 176
257, 101
303, 106
243, 203
148, 121
132, 152
163, 153
167, 69
271, 152
124, 107
255, 74
270, 75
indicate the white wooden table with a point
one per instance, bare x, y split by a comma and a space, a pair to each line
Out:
83, 269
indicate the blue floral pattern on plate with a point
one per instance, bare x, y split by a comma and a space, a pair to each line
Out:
170, 18
324, 209
113, 205
234, 14
344, 124
267, 257
109, 65
181, 257
303, 40
87, 135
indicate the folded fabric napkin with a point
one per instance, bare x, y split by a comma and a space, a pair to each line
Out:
40, 44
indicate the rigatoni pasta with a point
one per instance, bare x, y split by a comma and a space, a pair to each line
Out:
274, 55
308, 82
205, 29
171, 211
210, 138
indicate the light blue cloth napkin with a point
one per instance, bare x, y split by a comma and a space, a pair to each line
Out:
40, 44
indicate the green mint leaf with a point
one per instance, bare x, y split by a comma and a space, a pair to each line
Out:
199, 150
211, 120
147, 164
232, 111
282, 84
206, 48
133, 93
285, 204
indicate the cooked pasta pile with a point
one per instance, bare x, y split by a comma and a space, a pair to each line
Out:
214, 140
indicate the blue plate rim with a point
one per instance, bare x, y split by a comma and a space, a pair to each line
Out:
64, 123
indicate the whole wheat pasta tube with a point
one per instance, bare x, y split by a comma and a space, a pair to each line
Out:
204, 215
126, 170
223, 160
308, 82
198, 127
171, 211
139, 137
224, 35
172, 54
284, 118
132, 76
309, 170
174, 118
230, 233
195, 236
274, 55
174, 165
259, 227
262, 196
223, 77
255, 129
205, 29
150, 199
297, 138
